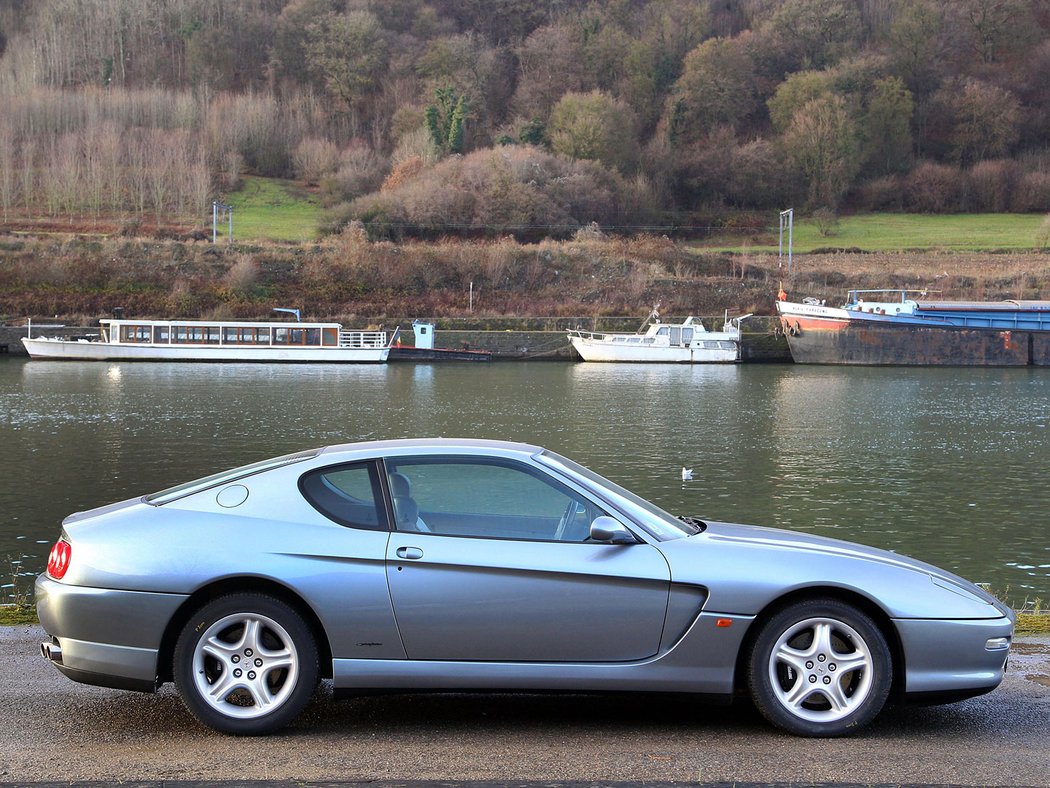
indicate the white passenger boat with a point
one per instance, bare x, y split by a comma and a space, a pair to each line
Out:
200, 340
680, 343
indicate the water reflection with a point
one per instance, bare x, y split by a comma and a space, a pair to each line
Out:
946, 465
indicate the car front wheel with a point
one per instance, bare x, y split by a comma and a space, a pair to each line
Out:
820, 668
246, 664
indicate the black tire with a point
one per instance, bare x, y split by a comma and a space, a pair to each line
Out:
820, 668
258, 648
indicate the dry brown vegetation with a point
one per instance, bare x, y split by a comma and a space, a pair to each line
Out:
350, 278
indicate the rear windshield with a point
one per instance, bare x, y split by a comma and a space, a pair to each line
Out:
188, 488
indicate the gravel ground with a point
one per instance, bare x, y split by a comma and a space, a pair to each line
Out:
55, 730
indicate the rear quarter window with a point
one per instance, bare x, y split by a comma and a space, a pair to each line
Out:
347, 494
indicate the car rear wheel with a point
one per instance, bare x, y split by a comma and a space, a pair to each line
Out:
246, 664
820, 668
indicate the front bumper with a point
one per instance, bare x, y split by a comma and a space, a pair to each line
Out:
950, 659
105, 637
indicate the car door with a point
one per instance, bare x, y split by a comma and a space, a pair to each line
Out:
489, 561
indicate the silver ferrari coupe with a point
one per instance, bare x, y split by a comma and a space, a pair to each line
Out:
481, 565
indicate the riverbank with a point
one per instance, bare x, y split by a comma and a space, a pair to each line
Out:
351, 280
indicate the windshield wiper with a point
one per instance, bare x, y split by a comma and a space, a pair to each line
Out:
695, 522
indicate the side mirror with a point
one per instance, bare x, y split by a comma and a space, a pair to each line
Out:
611, 531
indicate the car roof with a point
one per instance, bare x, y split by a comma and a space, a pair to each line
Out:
409, 446
350, 452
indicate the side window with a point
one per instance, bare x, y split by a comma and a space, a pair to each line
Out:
346, 494
496, 500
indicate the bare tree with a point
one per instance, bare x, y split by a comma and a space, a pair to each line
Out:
8, 164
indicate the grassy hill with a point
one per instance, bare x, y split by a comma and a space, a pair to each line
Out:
269, 209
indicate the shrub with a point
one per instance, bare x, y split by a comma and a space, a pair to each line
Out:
515, 190
990, 185
881, 194
242, 275
314, 158
827, 222
360, 171
1032, 193
403, 172
934, 188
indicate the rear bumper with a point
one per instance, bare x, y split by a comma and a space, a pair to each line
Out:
950, 659
105, 637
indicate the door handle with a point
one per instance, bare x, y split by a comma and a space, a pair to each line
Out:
411, 553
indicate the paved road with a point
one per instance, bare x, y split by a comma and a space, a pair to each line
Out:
55, 730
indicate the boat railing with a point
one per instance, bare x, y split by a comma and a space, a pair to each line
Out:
362, 339
854, 296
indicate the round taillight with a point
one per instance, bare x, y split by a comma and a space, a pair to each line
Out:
58, 560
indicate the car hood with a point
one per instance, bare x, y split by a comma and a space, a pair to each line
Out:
747, 566
731, 533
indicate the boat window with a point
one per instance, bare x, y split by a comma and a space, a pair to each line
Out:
486, 498
161, 334
727, 345
710, 344
189, 334
135, 334
634, 340
253, 336
346, 494
211, 335
662, 332
687, 336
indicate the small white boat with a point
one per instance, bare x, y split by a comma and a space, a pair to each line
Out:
679, 343
201, 340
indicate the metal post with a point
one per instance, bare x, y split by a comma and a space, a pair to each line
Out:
780, 254
472, 298
218, 208
789, 214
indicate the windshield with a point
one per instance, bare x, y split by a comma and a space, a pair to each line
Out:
188, 488
661, 524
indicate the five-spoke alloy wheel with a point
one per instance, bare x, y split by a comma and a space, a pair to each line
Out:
246, 664
820, 668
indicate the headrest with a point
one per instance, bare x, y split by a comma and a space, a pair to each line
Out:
406, 512
400, 486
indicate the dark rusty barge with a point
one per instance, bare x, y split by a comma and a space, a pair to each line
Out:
887, 327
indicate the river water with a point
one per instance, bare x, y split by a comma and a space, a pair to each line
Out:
948, 465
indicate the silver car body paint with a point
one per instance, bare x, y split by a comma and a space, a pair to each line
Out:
476, 613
